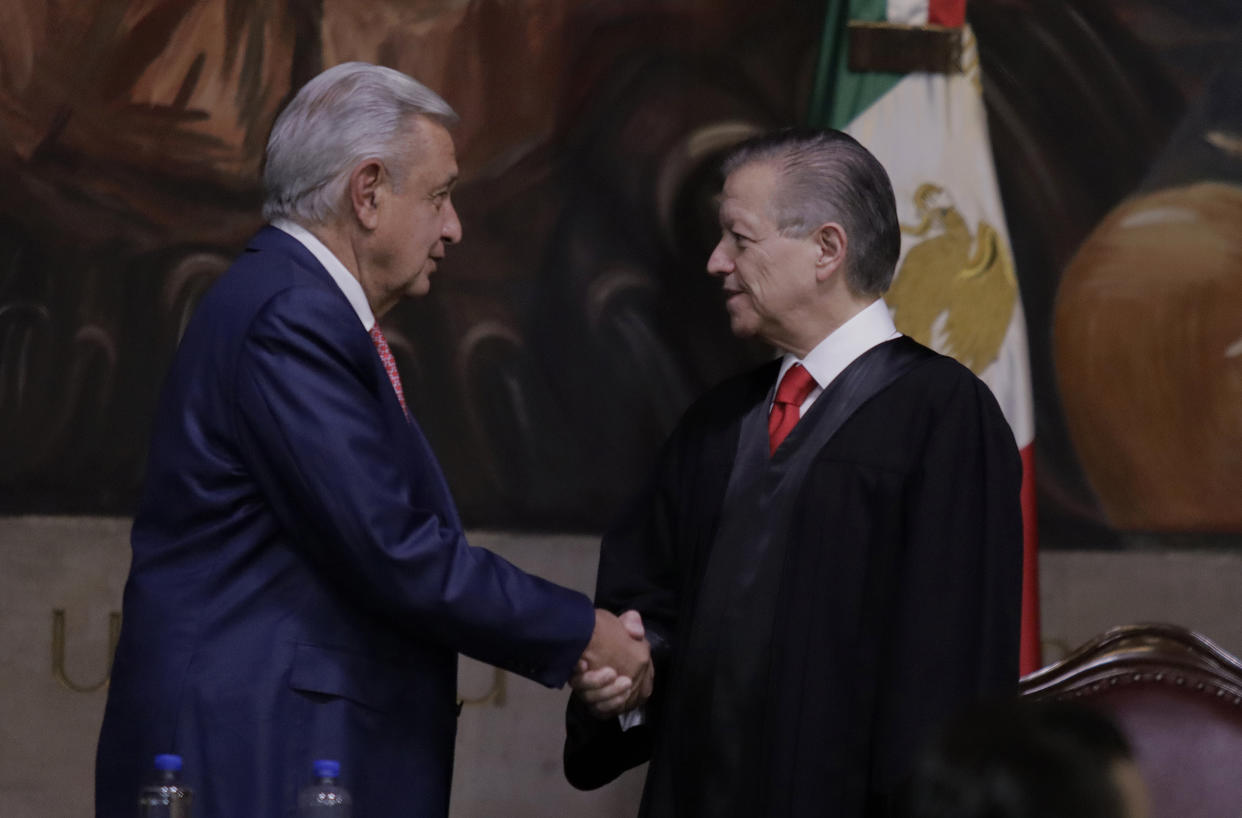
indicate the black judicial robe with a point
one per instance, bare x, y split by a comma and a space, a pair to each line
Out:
814, 616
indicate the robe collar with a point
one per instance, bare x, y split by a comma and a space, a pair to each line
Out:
870, 327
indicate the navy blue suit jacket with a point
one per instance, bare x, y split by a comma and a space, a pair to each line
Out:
300, 585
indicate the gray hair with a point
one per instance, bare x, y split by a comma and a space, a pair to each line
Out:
827, 176
349, 113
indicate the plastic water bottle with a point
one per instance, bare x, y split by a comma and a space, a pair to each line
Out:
166, 797
325, 798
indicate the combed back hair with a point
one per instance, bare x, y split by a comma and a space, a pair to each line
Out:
349, 113
827, 176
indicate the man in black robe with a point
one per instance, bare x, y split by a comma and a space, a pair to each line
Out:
818, 599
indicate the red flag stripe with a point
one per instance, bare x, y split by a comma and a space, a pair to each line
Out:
946, 13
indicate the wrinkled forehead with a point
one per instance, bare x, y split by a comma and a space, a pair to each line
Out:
427, 135
749, 189
430, 150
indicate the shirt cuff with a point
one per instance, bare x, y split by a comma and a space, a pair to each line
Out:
633, 718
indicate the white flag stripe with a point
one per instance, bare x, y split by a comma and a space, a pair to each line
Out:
908, 12
932, 128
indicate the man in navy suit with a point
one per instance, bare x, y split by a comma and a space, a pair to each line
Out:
300, 585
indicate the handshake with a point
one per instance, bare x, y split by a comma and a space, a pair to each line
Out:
615, 673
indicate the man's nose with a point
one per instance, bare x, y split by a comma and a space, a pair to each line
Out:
719, 263
451, 229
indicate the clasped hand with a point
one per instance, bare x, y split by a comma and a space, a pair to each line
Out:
615, 673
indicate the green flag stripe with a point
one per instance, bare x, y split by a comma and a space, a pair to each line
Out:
838, 94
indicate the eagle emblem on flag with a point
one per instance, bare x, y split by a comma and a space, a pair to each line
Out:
954, 291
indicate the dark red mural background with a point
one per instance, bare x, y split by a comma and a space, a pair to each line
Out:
565, 335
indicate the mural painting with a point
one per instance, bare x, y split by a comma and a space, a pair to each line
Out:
575, 322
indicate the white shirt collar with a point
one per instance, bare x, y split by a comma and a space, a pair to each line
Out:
340, 274
870, 327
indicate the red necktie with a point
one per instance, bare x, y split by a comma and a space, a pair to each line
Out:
390, 364
790, 394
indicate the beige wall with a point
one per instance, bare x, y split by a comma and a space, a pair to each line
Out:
508, 760
1083, 593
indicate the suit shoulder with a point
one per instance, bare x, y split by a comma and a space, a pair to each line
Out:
262, 282
260, 271
305, 300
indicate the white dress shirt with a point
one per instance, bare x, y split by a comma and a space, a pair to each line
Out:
870, 327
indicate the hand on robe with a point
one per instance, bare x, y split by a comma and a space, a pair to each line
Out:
611, 688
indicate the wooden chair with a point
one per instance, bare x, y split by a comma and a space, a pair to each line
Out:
1178, 698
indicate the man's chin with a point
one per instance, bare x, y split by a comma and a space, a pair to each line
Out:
418, 287
742, 326
745, 333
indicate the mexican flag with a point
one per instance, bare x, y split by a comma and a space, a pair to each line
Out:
915, 100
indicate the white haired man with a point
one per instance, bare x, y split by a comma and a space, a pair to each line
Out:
301, 586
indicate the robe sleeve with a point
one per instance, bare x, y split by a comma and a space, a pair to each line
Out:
952, 629
643, 561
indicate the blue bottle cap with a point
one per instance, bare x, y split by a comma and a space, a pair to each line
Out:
326, 768
168, 762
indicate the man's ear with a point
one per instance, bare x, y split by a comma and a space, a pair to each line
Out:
365, 190
832, 244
